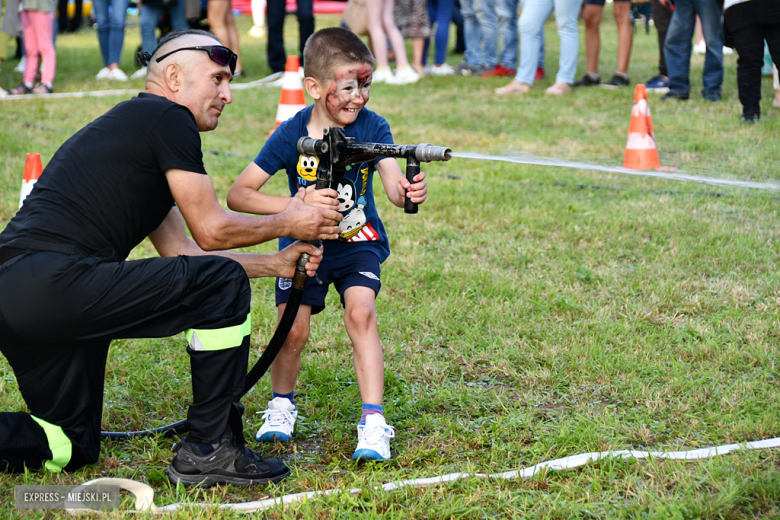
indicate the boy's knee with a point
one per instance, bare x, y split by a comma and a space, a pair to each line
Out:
298, 336
360, 316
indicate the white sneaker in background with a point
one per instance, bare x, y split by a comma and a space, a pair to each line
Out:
374, 439
257, 31
383, 75
279, 421
117, 75
104, 73
22, 65
140, 73
404, 76
700, 48
727, 50
442, 70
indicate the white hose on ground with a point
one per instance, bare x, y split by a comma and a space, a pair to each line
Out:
130, 92
144, 494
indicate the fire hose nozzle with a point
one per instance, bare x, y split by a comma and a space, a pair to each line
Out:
309, 146
427, 152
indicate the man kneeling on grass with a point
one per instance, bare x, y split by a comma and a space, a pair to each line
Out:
66, 290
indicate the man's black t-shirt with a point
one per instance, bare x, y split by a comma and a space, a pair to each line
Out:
105, 188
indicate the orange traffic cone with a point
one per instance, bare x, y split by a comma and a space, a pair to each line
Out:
292, 99
641, 153
32, 170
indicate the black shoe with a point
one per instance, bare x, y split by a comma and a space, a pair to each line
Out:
229, 463
617, 81
587, 81
711, 96
672, 95
750, 119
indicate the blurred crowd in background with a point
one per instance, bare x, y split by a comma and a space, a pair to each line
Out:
496, 37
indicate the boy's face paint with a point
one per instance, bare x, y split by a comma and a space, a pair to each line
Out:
348, 92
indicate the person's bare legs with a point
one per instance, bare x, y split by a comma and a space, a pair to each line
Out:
285, 368
223, 25
592, 15
376, 32
698, 33
418, 47
258, 19
393, 34
625, 35
360, 321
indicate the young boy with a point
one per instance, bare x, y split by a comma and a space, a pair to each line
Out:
338, 68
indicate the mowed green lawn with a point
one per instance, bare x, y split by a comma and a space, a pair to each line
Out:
524, 317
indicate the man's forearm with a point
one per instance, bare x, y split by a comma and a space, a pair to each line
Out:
236, 230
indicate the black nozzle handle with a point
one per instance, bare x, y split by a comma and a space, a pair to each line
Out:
310, 146
412, 169
427, 152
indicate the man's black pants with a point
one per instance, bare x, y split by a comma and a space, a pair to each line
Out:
277, 58
662, 15
746, 22
58, 315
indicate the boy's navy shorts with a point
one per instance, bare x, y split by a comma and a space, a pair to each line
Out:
359, 269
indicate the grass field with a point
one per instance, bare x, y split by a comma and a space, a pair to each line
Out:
524, 317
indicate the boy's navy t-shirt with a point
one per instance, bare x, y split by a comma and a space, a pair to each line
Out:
362, 230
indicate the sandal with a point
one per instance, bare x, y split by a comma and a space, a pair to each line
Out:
21, 89
515, 87
558, 89
43, 88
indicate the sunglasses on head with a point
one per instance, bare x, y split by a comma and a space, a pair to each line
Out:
219, 54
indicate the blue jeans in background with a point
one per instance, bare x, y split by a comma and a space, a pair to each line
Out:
541, 37
485, 12
471, 33
531, 24
677, 48
506, 12
150, 16
439, 11
110, 17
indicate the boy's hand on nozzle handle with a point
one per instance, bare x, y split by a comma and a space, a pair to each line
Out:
306, 222
322, 198
413, 187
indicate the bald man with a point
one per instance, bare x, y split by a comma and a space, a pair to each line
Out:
67, 290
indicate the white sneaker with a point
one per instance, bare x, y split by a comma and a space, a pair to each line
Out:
117, 75
279, 421
727, 50
104, 73
404, 76
382, 76
374, 439
257, 31
140, 73
22, 65
441, 70
700, 48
